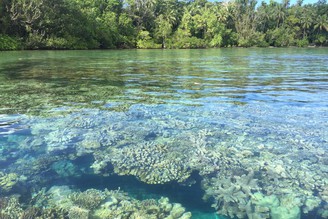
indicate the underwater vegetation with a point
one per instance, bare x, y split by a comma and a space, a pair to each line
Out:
245, 172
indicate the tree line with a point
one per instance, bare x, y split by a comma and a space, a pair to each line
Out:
105, 24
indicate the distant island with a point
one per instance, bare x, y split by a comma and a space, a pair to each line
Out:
144, 24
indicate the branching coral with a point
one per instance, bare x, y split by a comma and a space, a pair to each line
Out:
232, 194
63, 203
113, 204
292, 187
89, 199
7, 181
78, 213
150, 162
120, 205
10, 207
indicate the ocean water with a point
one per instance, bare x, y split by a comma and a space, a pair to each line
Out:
218, 133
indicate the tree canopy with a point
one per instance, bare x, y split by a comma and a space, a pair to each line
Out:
103, 24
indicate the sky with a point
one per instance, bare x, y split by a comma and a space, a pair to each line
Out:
292, 2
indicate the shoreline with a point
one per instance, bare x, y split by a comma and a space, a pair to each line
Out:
230, 47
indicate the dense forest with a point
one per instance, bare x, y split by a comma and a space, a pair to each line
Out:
92, 24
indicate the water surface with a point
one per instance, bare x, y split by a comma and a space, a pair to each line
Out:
241, 130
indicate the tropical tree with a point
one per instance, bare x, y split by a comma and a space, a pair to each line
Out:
163, 29
286, 3
263, 18
244, 17
167, 18
279, 13
321, 23
202, 16
82, 24
127, 31
169, 10
306, 23
26, 12
4, 16
142, 13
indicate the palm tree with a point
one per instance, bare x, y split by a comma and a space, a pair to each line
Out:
321, 23
244, 17
223, 12
299, 3
166, 19
280, 14
204, 15
168, 8
142, 12
163, 29
306, 23
263, 17
286, 3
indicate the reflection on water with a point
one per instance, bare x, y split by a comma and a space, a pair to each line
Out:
244, 129
191, 77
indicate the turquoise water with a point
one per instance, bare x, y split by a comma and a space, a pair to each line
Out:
223, 132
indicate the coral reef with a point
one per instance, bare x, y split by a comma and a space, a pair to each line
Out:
10, 207
65, 168
78, 213
150, 162
7, 181
248, 167
43, 213
232, 193
290, 188
120, 205
61, 202
89, 199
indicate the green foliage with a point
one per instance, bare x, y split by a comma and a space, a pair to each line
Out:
57, 43
127, 31
322, 40
67, 43
28, 13
217, 41
9, 43
146, 42
255, 39
187, 43
35, 41
107, 24
302, 43
163, 29
182, 39
281, 37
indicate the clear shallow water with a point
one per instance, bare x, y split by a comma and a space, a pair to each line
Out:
243, 129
